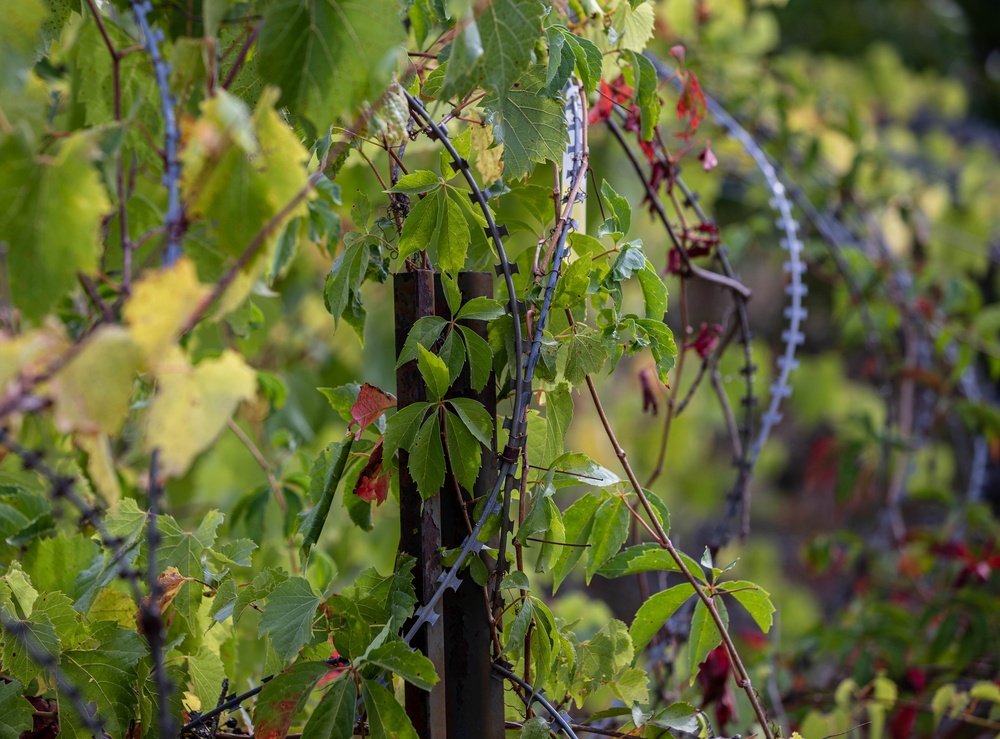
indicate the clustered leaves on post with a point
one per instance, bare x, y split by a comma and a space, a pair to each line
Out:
139, 319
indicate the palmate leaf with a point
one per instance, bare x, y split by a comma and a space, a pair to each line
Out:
609, 533
755, 599
333, 718
426, 462
531, 127
184, 550
284, 696
288, 616
386, 718
16, 711
653, 614
207, 673
107, 674
578, 521
464, 452
705, 634
397, 656
328, 56
41, 202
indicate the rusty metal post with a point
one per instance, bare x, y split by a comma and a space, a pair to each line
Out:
419, 521
474, 692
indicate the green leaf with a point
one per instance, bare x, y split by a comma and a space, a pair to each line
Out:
398, 657
558, 416
475, 417
632, 686
587, 356
578, 521
609, 533
535, 728
420, 225
426, 462
661, 344
207, 673
515, 580
345, 279
654, 292
755, 599
705, 634
453, 354
480, 309
224, 600
235, 553
518, 629
425, 332
507, 30
45, 199
574, 284
106, 674
451, 236
480, 358
531, 128
646, 93
589, 60
313, 523
184, 550
620, 209
288, 617
416, 183
648, 557
562, 60
435, 373
402, 427
16, 711
653, 614
464, 453
679, 717
606, 653
16, 662
633, 27
284, 697
386, 718
328, 56
333, 717
574, 468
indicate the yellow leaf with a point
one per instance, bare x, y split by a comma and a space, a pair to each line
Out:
30, 353
635, 26
91, 393
160, 305
101, 467
113, 605
487, 160
192, 405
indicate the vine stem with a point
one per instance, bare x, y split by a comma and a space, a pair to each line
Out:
743, 677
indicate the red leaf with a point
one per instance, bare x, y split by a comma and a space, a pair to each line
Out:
371, 404
691, 105
706, 340
373, 482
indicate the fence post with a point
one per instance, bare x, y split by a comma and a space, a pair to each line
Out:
419, 521
474, 692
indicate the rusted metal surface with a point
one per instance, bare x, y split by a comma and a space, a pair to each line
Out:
419, 521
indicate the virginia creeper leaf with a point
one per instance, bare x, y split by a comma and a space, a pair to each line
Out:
435, 373
609, 533
333, 717
705, 634
401, 429
755, 599
397, 656
386, 718
653, 614
426, 462
372, 402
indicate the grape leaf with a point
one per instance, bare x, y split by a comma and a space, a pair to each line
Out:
224, 600
106, 674
587, 356
284, 697
534, 728
16, 711
531, 128
653, 614
207, 673
193, 404
328, 56
91, 393
160, 305
288, 616
43, 201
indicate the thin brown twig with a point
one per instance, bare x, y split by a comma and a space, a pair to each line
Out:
272, 481
742, 676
